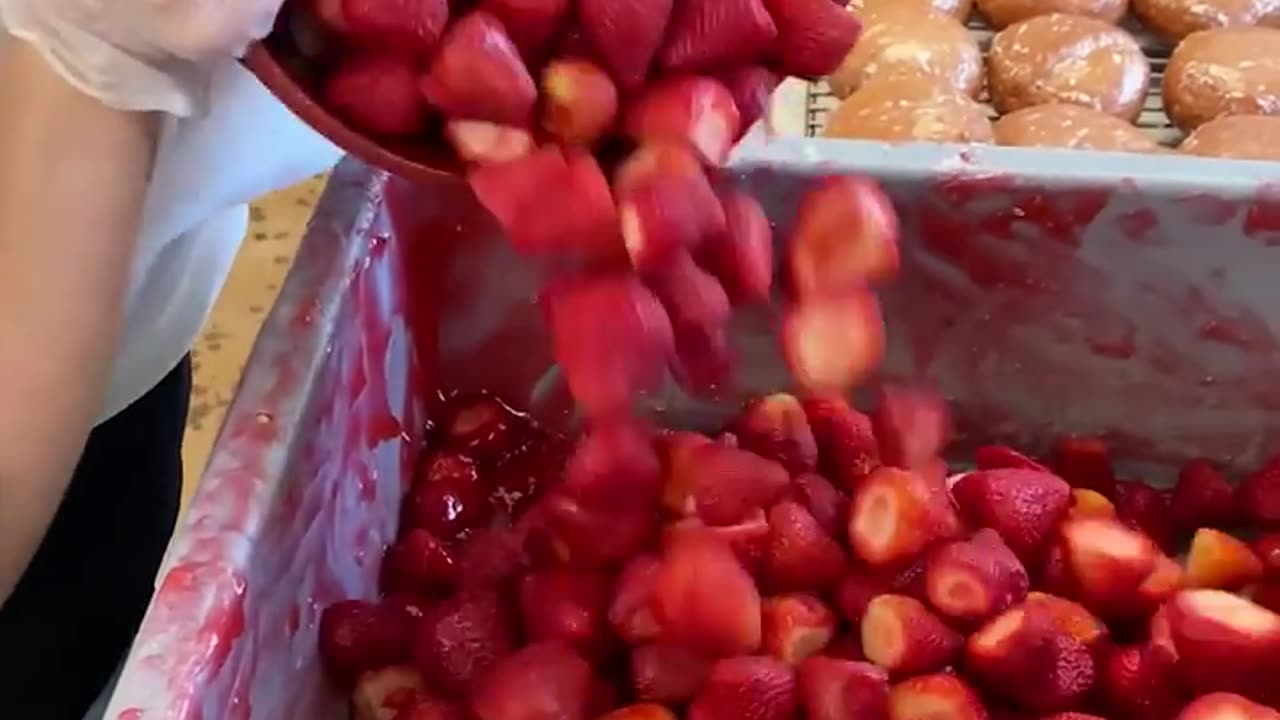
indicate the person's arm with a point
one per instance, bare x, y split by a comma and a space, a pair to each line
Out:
73, 174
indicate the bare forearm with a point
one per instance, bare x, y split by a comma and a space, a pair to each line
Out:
73, 175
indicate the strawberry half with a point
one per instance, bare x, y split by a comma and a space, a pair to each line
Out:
385, 693
409, 27
631, 609
831, 344
1027, 660
532, 24
845, 236
1226, 643
760, 688
1109, 562
723, 485
824, 502
832, 689
542, 681
1221, 561
796, 626
895, 514
776, 427
1147, 509
356, 636
477, 74
752, 87
566, 605
705, 599
579, 101
691, 109
1023, 506
972, 580
462, 638
615, 465
1140, 682
911, 425
933, 697
742, 256
847, 446
667, 673
800, 555
900, 635
1226, 706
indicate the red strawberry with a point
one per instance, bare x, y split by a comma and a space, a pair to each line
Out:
900, 635
1266, 594
845, 236
972, 580
1026, 659
826, 504
839, 689
418, 563
749, 538
858, 589
847, 447
705, 599
631, 610
542, 681
579, 100
377, 94
640, 711
1226, 643
477, 74
759, 688
429, 708
704, 362
385, 693
742, 256
1069, 617
934, 697
752, 87
482, 427
775, 427
532, 24
712, 34
1218, 560
585, 220
356, 636
625, 34
459, 640
486, 143
611, 337
912, 427
694, 300
1024, 506
615, 465
1226, 706
800, 555
845, 646
1202, 498
722, 485
995, 457
507, 189
1085, 463
566, 605
667, 673
1143, 507
412, 27
446, 508
666, 216
1258, 497
814, 36
595, 537
1109, 562
1090, 503
796, 626
1140, 682
653, 161
832, 344
1267, 548
694, 110
489, 556
895, 514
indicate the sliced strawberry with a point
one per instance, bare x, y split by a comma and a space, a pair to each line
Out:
760, 688
667, 673
1221, 561
824, 502
566, 605
742, 256
508, 189
748, 538
847, 446
813, 36
833, 689
1267, 548
542, 681
845, 236
486, 143
832, 344
1258, 496
655, 159
575, 217
667, 214
378, 94
934, 697
532, 24
1202, 498
724, 484
1085, 463
625, 34
462, 638
1140, 682
1026, 659
696, 303
356, 636
796, 626
1090, 503
1023, 506
631, 609
384, 693
971, 580
1109, 562
900, 635
1226, 643
752, 87
489, 556
1147, 509
418, 563
592, 536
776, 427
615, 465
1226, 706
579, 101
705, 599
1069, 617
895, 514
477, 74
712, 34
694, 110
800, 555
640, 711
995, 457
911, 425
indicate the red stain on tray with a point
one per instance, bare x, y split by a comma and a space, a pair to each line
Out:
1138, 225
1206, 209
1262, 219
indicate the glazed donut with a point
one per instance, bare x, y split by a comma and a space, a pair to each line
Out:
958, 9
910, 108
908, 39
1229, 71
1071, 126
1067, 59
1240, 137
1176, 19
1003, 13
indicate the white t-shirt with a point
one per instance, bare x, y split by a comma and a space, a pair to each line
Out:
208, 167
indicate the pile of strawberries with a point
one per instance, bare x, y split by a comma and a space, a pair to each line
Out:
811, 561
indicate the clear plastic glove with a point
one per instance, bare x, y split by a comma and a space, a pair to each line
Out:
140, 54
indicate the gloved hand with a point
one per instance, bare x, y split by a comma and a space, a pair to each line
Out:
140, 54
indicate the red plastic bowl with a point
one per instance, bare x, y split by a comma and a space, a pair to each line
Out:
292, 76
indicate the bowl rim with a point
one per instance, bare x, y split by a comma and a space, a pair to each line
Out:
262, 62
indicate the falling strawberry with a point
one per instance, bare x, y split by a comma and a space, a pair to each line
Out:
691, 109
800, 555
742, 256
847, 446
708, 35
625, 34
761, 688
845, 236
532, 24
776, 427
814, 36
477, 74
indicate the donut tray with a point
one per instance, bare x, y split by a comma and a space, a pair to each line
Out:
818, 100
